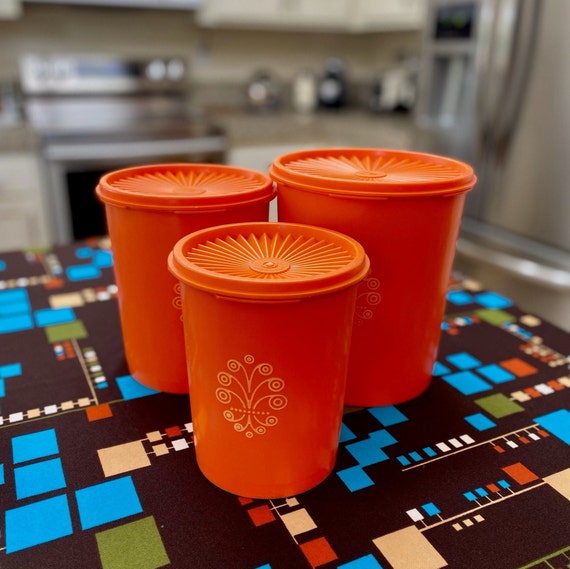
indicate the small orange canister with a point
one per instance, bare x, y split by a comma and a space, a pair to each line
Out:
268, 312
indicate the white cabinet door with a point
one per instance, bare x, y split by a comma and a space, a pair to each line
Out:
23, 217
275, 14
334, 15
10, 9
19, 227
388, 15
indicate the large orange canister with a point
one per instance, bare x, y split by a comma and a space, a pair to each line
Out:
268, 311
405, 209
148, 208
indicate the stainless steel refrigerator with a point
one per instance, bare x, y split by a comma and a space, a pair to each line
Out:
494, 91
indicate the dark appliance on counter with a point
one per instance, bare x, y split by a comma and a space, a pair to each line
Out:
493, 91
94, 114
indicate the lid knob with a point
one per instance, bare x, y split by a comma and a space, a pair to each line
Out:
269, 265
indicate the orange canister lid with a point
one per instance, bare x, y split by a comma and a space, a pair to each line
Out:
184, 186
372, 173
268, 260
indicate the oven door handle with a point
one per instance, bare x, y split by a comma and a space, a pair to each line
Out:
95, 151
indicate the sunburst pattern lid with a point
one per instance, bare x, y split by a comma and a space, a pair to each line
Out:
184, 186
369, 172
268, 261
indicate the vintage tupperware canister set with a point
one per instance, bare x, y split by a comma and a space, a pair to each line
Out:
272, 327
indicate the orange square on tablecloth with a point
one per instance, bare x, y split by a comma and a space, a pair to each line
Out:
97, 412
261, 515
173, 432
519, 367
318, 551
520, 473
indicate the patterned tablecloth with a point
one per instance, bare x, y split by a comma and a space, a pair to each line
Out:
97, 471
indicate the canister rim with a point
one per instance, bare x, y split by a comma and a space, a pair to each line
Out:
184, 186
374, 173
268, 261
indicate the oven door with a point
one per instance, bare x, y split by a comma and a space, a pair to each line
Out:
74, 165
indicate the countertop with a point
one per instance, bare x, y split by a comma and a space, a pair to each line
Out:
347, 127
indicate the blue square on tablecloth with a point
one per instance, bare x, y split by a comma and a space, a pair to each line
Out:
82, 272
382, 438
493, 300
557, 423
103, 259
366, 562
388, 415
39, 522
2, 478
431, 509
467, 382
39, 478
459, 297
429, 451
84, 252
15, 296
34, 445
131, 389
366, 452
439, 369
463, 361
11, 324
52, 316
10, 370
354, 478
403, 460
470, 496
480, 422
345, 434
3, 265
496, 373
107, 502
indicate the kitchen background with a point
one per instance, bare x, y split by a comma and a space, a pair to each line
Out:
262, 77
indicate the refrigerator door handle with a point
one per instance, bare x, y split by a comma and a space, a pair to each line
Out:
531, 271
515, 39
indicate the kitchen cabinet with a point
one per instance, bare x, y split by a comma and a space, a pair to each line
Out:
147, 4
313, 15
10, 9
388, 15
23, 219
274, 14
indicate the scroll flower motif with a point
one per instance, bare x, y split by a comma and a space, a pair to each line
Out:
252, 396
368, 297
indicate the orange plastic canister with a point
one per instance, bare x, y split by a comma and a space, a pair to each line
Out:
268, 313
148, 208
405, 208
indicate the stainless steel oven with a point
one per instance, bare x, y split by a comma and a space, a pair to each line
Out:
93, 114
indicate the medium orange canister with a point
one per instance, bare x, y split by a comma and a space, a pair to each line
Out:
405, 209
148, 208
268, 312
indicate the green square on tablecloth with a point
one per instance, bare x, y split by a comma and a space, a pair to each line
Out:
495, 317
136, 545
69, 331
499, 405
